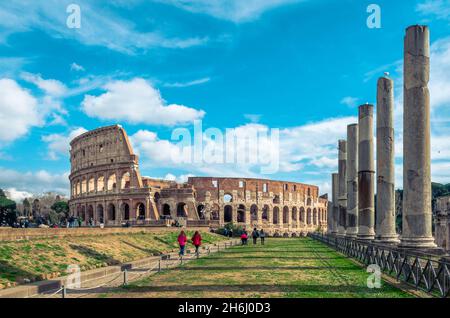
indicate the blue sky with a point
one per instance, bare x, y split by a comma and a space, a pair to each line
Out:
152, 66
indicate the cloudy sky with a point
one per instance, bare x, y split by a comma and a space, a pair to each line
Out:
300, 66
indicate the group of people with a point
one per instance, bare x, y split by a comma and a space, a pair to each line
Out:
197, 239
255, 235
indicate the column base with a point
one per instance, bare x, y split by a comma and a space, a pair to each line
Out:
417, 242
387, 239
365, 237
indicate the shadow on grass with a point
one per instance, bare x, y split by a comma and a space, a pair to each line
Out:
90, 253
12, 273
149, 251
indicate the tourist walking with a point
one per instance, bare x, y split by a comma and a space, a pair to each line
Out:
244, 238
182, 240
255, 235
262, 235
197, 241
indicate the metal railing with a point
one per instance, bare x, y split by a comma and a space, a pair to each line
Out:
422, 271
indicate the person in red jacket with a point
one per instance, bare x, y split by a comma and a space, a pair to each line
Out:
244, 238
197, 241
182, 240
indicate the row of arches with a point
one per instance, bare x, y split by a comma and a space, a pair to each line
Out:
111, 213
101, 183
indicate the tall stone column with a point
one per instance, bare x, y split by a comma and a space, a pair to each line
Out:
385, 216
335, 205
342, 195
417, 217
366, 174
352, 180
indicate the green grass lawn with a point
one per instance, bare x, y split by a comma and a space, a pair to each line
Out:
45, 258
297, 267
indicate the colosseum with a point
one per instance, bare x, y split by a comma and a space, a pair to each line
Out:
107, 188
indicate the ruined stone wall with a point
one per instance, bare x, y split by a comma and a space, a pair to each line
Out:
107, 188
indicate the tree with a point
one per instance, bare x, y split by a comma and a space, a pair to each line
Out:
8, 213
61, 208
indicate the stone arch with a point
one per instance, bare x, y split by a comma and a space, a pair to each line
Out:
294, 214
302, 215
83, 212
90, 213
308, 202
125, 180
125, 211
265, 213
227, 198
315, 217
112, 182
254, 212
111, 212
276, 199
308, 216
77, 188
182, 209
101, 184
100, 214
241, 213
201, 211
156, 197
228, 214
166, 210
83, 186
91, 185
285, 215
140, 211
276, 215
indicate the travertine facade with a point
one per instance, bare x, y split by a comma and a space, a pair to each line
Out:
107, 187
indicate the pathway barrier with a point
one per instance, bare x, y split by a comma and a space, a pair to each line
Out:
427, 272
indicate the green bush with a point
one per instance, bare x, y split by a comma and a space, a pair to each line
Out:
237, 229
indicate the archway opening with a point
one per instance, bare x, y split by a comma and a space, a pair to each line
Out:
308, 217
182, 210
228, 214
215, 212
166, 209
125, 181
126, 211
275, 217
241, 214
201, 211
285, 215
140, 211
254, 212
100, 214
265, 213
227, 198
294, 214
111, 212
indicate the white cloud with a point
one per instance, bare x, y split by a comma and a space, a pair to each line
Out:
137, 101
18, 111
16, 195
349, 101
100, 26
233, 10
59, 144
436, 8
188, 84
34, 182
51, 87
76, 67
180, 179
